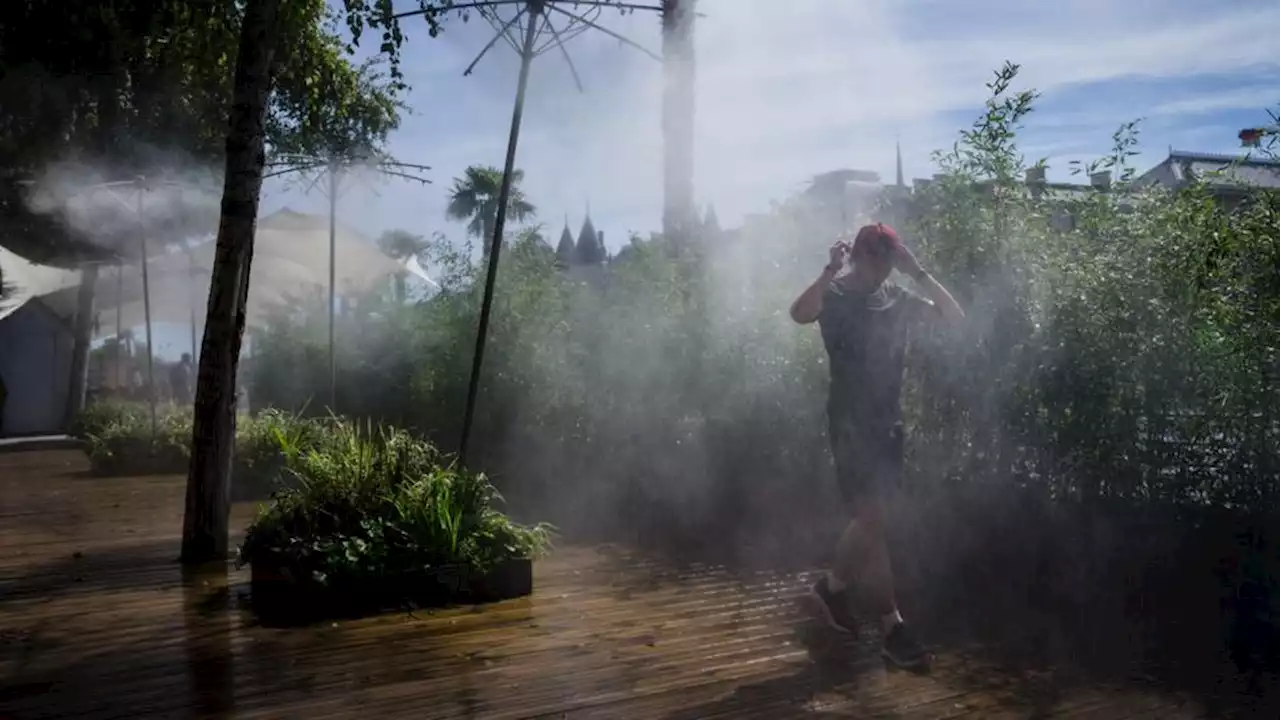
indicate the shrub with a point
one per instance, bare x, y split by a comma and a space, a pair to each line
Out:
119, 439
100, 416
1127, 356
374, 505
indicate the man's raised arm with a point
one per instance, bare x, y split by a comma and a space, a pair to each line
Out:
808, 306
941, 298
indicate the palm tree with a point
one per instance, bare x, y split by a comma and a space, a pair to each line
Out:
474, 200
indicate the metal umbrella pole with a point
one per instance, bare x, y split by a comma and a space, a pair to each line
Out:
191, 302
332, 167
146, 308
333, 262
120, 376
534, 9
141, 186
191, 293
537, 15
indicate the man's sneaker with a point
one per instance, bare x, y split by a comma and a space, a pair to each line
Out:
835, 607
902, 649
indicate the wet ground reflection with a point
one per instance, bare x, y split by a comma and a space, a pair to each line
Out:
208, 619
98, 620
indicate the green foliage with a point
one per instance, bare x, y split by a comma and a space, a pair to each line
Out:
372, 503
1129, 356
128, 88
119, 441
155, 80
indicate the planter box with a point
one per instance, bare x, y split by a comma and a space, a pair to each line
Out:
138, 462
279, 597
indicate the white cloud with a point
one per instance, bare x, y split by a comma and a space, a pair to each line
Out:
789, 89
1246, 98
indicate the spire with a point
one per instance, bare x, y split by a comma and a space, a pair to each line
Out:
898, 149
711, 223
588, 249
564, 250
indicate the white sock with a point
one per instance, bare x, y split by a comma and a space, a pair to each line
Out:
891, 620
835, 584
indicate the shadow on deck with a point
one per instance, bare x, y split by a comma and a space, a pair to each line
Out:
98, 620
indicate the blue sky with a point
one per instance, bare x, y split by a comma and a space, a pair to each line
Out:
787, 90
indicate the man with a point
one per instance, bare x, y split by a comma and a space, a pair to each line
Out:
864, 322
180, 380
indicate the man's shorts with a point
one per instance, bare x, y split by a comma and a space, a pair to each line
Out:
868, 458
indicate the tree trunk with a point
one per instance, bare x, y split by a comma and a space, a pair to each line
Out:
677, 117
82, 337
204, 529
487, 225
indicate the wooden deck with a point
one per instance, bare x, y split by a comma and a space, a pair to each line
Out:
97, 620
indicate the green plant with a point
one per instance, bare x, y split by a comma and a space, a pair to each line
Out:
1120, 347
119, 439
373, 503
99, 416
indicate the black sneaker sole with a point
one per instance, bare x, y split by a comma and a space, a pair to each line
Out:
920, 664
828, 617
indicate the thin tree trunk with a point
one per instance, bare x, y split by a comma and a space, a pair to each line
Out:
487, 225
82, 337
204, 529
677, 117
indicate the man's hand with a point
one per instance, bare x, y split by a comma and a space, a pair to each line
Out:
904, 261
808, 306
839, 254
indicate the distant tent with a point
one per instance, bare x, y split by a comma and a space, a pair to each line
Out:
24, 280
35, 362
290, 261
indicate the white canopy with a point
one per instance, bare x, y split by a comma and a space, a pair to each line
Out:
290, 261
24, 280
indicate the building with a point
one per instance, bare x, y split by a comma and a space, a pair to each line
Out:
37, 379
1229, 177
588, 251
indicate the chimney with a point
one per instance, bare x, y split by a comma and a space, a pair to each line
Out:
1035, 175
1101, 180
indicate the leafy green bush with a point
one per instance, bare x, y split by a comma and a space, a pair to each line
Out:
1128, 356
99, 417
375, 505
119, 439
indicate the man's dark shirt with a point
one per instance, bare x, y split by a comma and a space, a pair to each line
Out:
866, 337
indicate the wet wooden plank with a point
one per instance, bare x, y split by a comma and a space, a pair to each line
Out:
98, 620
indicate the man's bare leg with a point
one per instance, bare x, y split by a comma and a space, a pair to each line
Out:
862, 563
863, 576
